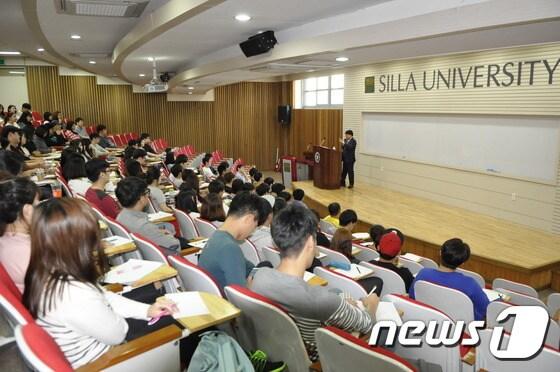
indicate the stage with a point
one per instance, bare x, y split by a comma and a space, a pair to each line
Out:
499, 248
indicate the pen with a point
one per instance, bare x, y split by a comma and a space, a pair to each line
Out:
358, 268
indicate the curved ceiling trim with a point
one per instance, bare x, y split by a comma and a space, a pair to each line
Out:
160, 21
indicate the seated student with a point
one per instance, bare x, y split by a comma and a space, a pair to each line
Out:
104, 141
277, 188
186, 201
389, 250
376, 232
12, 163
269, 181
285, 195
293, 231
342, 243
146, 143
134, 169
248, 186
175, 175
348, 219
169, 157
332, 218
133, 194
222, 256
217, 187
257, 177
140, 156
261, 236
190, 181
298, 195
212, 210
74, 171
236, 186
279, 204
98, 172
18, 196
207, 168
39, 140
321, 238
454, 253
80, 128
156, 194
62, 291
262, 190
10, 139
222, 169
228, 180
182, 160
131, 146
55, 137
95, 147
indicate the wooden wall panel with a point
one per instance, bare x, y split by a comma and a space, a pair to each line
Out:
241, 122
310, 126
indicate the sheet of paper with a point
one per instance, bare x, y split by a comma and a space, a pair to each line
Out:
412, 257
189, 304
307, 276
321, 255
367, 244
492, 294
158, 215
199, 244
131, 271
356, 271
387, 311
116, 240
364, 235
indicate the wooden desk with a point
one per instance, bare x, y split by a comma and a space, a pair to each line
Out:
221, 311
163, 219
162, 273
103, 225
355, 250
111, 250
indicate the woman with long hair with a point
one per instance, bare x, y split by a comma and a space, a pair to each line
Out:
61, 284
213, 210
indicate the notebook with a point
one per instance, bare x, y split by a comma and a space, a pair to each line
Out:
131, 271
189, 304
361, 236
494, 295
199, 244
117, 240
412, 257
388, 311
307, 276
356, 272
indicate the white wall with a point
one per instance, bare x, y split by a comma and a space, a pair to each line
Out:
13, 91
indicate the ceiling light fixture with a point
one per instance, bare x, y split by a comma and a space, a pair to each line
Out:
92, 62
242, 17
8, 53
190, 88
151, 59
75, 37
141, 75
16, 72
40, 50
342, 59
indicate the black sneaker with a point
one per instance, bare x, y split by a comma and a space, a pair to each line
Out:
260, 362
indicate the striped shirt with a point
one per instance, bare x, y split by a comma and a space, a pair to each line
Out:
85, 321
311, 307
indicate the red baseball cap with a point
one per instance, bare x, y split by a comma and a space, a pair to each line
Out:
390, 244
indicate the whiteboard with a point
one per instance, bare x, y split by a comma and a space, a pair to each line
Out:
521, 147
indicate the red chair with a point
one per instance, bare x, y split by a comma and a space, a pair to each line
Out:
9, 283
37, 118
128, 137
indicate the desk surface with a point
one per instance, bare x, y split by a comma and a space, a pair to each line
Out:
111, 250
317, 281
220, 311
162, 273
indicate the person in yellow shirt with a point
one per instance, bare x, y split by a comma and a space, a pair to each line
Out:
332, 218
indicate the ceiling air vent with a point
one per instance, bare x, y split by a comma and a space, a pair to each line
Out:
101, 8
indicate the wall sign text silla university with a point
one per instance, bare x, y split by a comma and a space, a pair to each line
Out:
509, 74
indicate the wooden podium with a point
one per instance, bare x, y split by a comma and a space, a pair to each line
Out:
326, 170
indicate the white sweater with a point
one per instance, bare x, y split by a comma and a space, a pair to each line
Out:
85, 321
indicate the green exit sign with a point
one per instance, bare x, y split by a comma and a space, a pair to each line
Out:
1, 61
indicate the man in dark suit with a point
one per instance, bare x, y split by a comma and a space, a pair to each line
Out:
348, 158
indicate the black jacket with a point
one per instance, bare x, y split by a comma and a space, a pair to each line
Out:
349, 151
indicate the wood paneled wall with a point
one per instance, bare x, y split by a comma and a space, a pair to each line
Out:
310, 126
241, 122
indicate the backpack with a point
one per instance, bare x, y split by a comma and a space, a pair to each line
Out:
218, 352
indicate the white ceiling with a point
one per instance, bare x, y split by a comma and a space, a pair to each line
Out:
204, 51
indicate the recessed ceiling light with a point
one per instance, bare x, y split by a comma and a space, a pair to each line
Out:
151, 59
92, 62
190, 88
8, 53
40, 49
242, 17
342, 59
141, 75
310, 70
16, 72
75, 37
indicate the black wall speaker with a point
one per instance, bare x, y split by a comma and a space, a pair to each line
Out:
284, 114
258, 44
